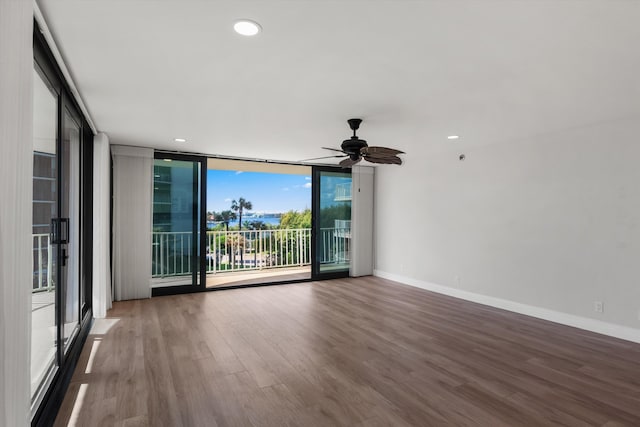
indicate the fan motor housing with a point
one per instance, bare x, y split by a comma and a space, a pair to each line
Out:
353, 145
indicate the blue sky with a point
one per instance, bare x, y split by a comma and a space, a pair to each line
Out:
268, 192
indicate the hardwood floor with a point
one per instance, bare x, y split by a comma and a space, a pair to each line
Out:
353, 352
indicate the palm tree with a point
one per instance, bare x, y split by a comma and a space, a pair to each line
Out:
239, 206
257, 225
225, 217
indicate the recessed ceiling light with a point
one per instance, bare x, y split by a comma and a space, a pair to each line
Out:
247, 27
453, 137
179, 140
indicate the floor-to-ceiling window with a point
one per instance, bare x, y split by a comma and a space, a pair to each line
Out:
45, 210
69, 225
258, 223
177, 223
238, 223
332, 222
60, 285
250, 221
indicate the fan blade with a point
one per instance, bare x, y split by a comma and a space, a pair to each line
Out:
325, 157
334, 149
380, 151
348, 162
391, 160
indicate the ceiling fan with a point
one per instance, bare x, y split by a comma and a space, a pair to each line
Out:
356, 149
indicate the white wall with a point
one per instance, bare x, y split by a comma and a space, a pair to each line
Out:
101, 226
132, 199
16, 166
361, 221
552, 222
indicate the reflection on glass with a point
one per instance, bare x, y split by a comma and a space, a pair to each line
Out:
71, 230
45, 181
176, 196
334, 235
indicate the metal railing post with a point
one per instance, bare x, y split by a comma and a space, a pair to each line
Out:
49, 264
261, 244
299, 233
40, 261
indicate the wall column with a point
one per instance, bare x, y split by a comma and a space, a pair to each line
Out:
361, 221
101, 226
16, 164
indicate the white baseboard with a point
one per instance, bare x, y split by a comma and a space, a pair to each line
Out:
593, 325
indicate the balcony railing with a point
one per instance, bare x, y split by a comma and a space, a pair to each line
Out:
260, 249
247, 250
343, 192
43, 278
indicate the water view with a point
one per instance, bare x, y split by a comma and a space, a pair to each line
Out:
271, 220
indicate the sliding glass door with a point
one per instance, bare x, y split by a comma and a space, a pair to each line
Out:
45, 213
332, 222
194, 248
58, 288
67, 229
61, 232
177, 224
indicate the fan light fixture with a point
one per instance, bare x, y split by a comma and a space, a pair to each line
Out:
247, 27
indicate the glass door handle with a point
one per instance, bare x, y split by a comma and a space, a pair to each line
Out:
65, 256
59, 231
64, 230
54, 230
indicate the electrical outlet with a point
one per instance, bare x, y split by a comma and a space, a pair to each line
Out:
456, 280
598, 307
638, 314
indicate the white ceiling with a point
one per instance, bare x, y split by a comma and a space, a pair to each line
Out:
492, 71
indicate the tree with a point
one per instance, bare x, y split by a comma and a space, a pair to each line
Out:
239, 206
294, 227
225, 217
294, 219
330, 214
257, 225
236, 242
